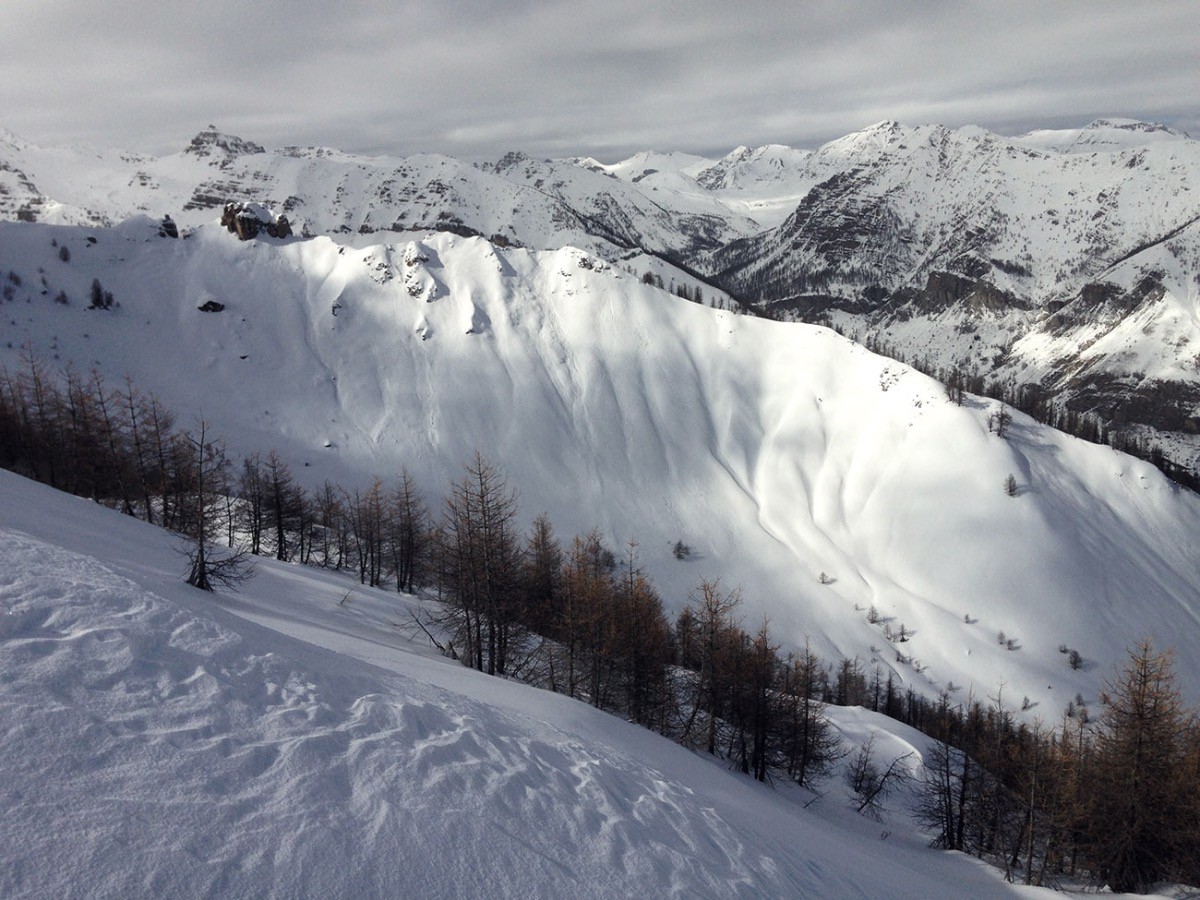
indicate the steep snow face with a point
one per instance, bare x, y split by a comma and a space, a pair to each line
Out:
1004, 257
776, 451
159, 741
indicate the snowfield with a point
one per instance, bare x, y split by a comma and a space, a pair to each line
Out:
1066, 261
294, 739
776, 451
159, 741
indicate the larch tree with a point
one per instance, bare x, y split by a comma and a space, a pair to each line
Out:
204, 496
409, 533
1139, 801
480, 561
252, 509
285, 501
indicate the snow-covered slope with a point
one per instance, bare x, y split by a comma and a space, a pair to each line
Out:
1064, 261
1102, 135
893, 204
1070, 263
158, 741
763, 184
536, 203
777, 451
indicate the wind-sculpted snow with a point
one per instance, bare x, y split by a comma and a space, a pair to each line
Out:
777, 452
159, 749
155, 741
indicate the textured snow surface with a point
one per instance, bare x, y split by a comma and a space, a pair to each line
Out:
777, 451
156, 741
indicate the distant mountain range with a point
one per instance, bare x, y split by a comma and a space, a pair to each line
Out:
1062, 266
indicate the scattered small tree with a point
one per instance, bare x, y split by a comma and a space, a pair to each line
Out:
101, 299
999, 421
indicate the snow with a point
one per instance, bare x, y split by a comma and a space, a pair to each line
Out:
160, 741
776, 451
1102, 135
156, 742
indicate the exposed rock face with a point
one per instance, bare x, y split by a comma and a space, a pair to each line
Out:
248, 220
212, 143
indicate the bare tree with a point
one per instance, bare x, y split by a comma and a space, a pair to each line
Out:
712, 644
205, 496
252, 509
285, 501
868, 783
808, 743
366, 513
481, 564
409, 534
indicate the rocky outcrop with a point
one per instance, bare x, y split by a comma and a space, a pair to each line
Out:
212, 143
249, 220
946, 290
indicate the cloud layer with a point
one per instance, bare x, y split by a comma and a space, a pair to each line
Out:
558, 78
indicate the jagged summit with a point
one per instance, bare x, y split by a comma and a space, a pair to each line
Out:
212, 142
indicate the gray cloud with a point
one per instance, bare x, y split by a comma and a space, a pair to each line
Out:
475, 78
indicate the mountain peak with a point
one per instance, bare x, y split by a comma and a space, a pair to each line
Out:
1134, 126
212, 142
1104, 135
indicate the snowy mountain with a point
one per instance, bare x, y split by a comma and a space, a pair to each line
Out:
519, 200
1059, 263
281, 743
1065, 262
777, 451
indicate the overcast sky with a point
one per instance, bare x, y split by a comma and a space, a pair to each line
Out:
607, 78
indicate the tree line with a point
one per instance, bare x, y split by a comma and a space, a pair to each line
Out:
1038, 404
1116, 799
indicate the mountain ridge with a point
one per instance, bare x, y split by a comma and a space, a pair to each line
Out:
778, 451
